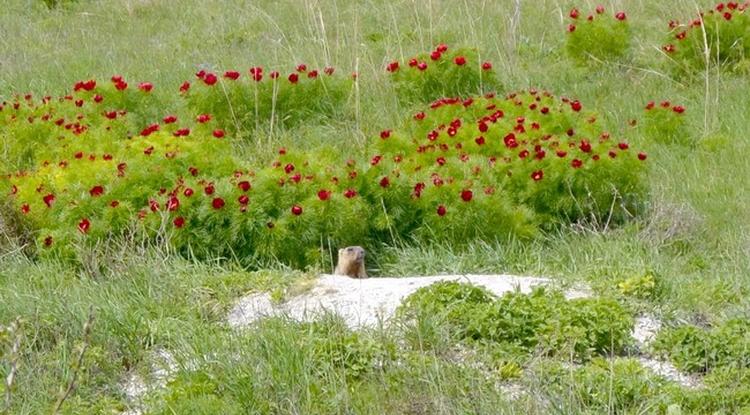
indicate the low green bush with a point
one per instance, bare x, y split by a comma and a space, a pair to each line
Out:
543, 321
665, 123
695, 349
442, 73
599, 38
242, 103
719, 36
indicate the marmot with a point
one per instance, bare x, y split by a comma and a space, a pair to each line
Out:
351, 262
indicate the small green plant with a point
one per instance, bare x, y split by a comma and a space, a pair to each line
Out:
243, 103
600, 38
442, 73
665, 123
640, 286
719, 36
696, 349
542, 321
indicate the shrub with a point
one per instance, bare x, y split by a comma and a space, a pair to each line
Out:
665, 123
695, 349
511, 164
442, 73
720, 36
242, 103
543, 320
93, 165
646, 286
599, 38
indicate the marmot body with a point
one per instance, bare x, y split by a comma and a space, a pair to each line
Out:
351, 262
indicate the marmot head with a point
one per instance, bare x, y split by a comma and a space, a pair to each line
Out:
352, 253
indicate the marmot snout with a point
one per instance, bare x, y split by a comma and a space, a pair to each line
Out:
351, 262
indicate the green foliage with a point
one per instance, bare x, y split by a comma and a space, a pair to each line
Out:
541, 321
665, 123
442, 73
51, 4
719, 36
645, 286
242, 103
695, 349
197, 393
600, 38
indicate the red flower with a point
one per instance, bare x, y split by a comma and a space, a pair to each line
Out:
98, 98
571, 28
150, 130
440, 160
479, 140
114, 204
561, 153
274, 75
182, 132
620, 16
376, 160
153, 205
328, 70
173, 204
467, 195
510, 141
642, 156
210, 79
179, 222
486, 66
148, 150
585, 146
350, 193
185, 87
576, 163
25, 208
301, 68
188, 192
233, 75
727, 16
599, 9
169, 119
257, 74
84, 225
48, 241
289, 168
244, 185
111, 115
678, 109
392, 67
218, 203
574, 14
668, 48
435, 55
243, 200
209, 190
296, 210
203, 118
293, 78
413, 62
324, 195
441, 210
459, 60
96, 191
442, 48
422, 66
650, 105
146, 86
623, 146
312, 74
218, 133
384, 182
537, 175
576, 105
49, 200
385, 134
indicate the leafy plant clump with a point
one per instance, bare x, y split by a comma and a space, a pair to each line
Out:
514, 164
695, 349
719, 36
442, 73
543, 321
102, 162
243, 102
665, 123
599, 38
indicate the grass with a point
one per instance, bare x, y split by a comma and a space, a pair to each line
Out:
695, 237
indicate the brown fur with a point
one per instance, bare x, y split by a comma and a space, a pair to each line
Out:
351, 262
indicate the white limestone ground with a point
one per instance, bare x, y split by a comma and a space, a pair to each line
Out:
367, 302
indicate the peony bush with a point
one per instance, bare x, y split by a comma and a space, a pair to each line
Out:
92, 165
599, 37
717, 36
665, 123
442, 73
243, 102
